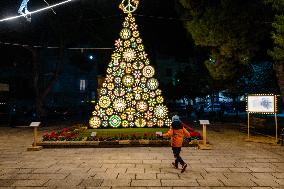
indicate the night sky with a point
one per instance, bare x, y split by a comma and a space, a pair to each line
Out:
96, 23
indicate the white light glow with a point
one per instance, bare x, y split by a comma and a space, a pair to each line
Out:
36, 11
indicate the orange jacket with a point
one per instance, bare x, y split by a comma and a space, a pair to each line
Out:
177, 136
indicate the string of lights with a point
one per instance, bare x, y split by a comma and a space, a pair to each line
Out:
36, 11
56, 47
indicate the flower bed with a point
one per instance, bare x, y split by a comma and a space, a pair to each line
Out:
80, 136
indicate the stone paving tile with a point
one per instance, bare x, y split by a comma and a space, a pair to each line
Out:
153, 182
20, 187
124, 187
261, 169
209, 182
220, 170
146, 176
280, 182
169, 176
265, 182
179, 183
116, 170
46, 176
278, 175
6, 182
152, 170
116, 182
240, 169
126, 175
135, 170
63, 182
99, 187
126, 165
91, 182
29, 182
237, 182
106, 175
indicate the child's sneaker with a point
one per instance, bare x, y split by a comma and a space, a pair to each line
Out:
176, 166
183, 167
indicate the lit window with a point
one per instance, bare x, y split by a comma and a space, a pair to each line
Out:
82, 85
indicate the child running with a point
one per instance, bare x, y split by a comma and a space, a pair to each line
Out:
177, 133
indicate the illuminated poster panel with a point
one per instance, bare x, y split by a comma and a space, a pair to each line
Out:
261, 104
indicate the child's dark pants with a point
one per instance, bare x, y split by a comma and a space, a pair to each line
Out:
176, 151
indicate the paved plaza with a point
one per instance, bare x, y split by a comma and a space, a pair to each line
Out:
232, 163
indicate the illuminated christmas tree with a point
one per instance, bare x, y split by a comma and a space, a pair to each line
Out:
129, 95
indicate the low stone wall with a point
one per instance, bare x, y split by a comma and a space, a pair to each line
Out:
110, 144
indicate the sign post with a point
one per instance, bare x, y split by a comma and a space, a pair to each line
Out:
204, 145
262, 104
34, 146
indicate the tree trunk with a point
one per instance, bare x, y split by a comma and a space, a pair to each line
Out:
40, 96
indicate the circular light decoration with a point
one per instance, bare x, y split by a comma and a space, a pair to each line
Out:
152, 102
105, 118
119, 91
115, 56
160, 123
150, 124
123, 116
129, 55
148, 115
140, 122
128, 70
138, 65
130, 117
141, 47
152, 84
122, 65
137, 74
145, 96
119, 105
94, 113
137, 96
131, 124
109, 78
110, 86
103, 91
101, 112
143, 79
125, 123
148, 71
125, 24
118, 43
142, 106
160, 99
128, 80
139, 40
125, 33
117, 80
168, 122
158, 92
95, 122
161, 111
130, 111
136, 33
104, 102
109, 71
134, 45
105, 123
109, 111
114, 121
127, 43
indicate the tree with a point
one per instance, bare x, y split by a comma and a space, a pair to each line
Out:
129, 95
235, 32
278, 38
